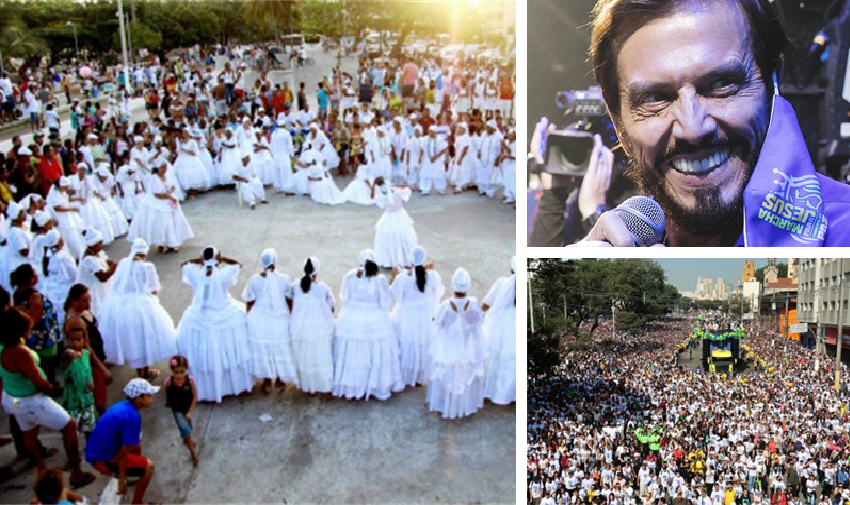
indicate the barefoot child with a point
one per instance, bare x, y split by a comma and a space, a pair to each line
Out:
181, 397
78, 396
50, 489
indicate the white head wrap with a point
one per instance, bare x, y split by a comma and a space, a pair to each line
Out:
64, 182
25, 202
315, 262
268, 258
103, 171
139, 247
418, 128
52, 238
14, 210
461, 281
138, 139
42, 217
24, 151
492, 124
463, 125
366, 255
81, 167
91, 237
91, 136
419, 256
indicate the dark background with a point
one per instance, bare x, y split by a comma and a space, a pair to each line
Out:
559, 37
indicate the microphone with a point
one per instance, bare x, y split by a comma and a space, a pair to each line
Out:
644, 219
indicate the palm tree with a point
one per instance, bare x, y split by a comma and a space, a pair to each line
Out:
275, 14
16, 41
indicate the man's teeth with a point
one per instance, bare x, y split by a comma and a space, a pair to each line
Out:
703, 165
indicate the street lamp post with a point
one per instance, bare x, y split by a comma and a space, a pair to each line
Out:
76, 43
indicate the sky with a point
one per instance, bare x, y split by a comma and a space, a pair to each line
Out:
683, 273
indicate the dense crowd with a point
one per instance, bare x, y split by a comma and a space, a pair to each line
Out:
618, 423
70, 311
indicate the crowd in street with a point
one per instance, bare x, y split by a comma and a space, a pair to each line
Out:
618, 423
70, 312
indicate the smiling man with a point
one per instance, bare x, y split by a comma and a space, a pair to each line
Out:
689, 85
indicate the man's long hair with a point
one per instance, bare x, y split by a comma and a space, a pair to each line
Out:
614, 20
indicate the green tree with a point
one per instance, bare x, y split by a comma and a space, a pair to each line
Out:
272, 17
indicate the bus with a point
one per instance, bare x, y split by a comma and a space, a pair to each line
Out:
295, 40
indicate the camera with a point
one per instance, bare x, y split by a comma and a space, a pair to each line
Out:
568, 151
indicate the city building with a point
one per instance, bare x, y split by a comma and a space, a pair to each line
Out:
771, 273
821, 302
749, 270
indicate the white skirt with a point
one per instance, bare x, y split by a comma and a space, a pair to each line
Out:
191, 173
456, 377
366, 361
395, 239
159, 227
264, 166
211, 168
270, 348
228, 167
283, 180
326, 192
136, 330
500, 334
95, 216
358, 192
116, 216
216, 344
312, 348
414, 329
300, 182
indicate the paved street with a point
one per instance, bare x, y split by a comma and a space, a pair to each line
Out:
321, 449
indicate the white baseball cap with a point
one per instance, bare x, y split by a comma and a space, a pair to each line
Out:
138, 387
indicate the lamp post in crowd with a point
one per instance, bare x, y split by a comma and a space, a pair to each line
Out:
76, 43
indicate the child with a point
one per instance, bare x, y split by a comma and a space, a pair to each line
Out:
78, 396
50, 489
181, 397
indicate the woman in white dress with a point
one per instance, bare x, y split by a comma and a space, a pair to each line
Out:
58, 272
359, 190
229, 160
508, 164
131, 188
366, 355
136, 329
67, 216
159, 219
417, 296
458, 354
415, 156
395, 237
18, 244
262, 159
204, 155
500, 335
213, 332
96, 269
40, 227
303, 168
322, 186
268, 298
104, 190
283, 152
460, 172
189, 168
311, 330
91, 208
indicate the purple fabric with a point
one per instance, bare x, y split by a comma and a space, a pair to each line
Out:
783, 202
787, 203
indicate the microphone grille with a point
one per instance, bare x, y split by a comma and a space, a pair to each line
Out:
644, 219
